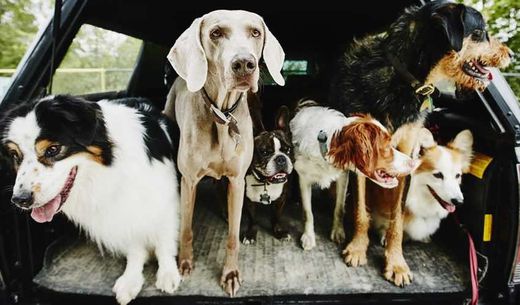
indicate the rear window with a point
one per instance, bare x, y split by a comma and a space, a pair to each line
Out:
97, 61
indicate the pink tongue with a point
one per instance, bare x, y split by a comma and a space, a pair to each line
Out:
46, 212
490, 76
450, 208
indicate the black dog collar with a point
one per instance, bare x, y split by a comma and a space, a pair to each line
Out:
224, 117
423, 92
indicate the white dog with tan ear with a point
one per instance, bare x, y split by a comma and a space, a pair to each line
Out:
434, 187
217, 59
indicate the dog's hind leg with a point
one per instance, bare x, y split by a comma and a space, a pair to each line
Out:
129, 284
308, 238
168, 276
188, 194
396, 268
356, 251
230, 279
337, 234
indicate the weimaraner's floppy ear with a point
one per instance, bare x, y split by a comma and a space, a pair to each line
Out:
273, 56
188, 58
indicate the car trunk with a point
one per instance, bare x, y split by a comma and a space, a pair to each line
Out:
56, 263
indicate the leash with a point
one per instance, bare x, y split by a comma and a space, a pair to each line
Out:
473, 264
224, 117
423, 92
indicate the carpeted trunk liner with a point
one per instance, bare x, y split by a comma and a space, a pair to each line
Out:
270, 267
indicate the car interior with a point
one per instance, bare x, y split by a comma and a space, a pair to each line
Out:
60, 265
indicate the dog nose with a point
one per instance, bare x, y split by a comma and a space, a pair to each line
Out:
457, 201
280, 160
243, 65
24, 199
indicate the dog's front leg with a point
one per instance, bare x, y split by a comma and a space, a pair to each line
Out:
280, 230
129, 284
188, 194
396, 268
308, 238
356, 251
337, 234
230, 279
252, 226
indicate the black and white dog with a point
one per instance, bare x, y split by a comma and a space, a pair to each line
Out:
109, 167
266, 180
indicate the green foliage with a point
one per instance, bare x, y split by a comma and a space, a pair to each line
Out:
503, 18
97, 48
17, 29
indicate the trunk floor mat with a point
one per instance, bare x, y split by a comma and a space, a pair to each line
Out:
268, 268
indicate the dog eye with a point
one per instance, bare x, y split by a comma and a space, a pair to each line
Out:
478, 35
457, 176
255, 33
14, 156
52, 151
438, 175
215, 34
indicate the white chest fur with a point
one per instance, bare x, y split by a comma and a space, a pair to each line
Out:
316, 170
255, 188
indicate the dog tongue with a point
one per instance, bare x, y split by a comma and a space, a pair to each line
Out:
450, 208
46, 213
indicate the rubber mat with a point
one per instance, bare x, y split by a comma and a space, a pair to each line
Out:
270, 267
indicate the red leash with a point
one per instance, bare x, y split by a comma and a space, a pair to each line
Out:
473, 263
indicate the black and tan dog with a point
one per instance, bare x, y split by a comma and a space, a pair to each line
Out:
439, 47
267, 178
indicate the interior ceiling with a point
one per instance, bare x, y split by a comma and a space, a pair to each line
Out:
299, 28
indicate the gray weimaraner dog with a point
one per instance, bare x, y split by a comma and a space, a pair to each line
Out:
217, 59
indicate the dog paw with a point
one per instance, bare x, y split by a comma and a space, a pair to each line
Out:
398, 272
308, 241
230, 282
127, 287
337, 235
282, 235
185, 267
168, 280
355, 254
248, 241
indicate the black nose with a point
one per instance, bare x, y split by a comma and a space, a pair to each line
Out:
457, 202
280, 160
24, 199
243, 65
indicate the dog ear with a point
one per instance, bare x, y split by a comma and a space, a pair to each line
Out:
76, 117
282, 118
188, 57
274, 56
463, 142
358, 144
450, 17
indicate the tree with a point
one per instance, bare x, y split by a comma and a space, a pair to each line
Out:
17, 29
